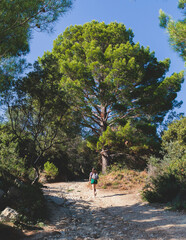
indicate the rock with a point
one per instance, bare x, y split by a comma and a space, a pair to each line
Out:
8, 214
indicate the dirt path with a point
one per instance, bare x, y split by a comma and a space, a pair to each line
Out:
76, 214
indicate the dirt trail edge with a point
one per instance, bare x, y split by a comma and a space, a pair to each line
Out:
76, 214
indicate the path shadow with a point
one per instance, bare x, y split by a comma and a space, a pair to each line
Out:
52, 190
114, 195
138, 221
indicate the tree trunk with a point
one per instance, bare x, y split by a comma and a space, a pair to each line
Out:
36, 169
105, 156
36, 175
104, 152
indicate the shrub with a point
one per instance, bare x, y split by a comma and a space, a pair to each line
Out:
26, 199
32, 202
12, 160
167, 180
163, 188
121, 178
176, 133
51, 170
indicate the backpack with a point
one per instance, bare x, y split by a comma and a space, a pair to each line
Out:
94, 176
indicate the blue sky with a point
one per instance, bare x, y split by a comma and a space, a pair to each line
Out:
139, 15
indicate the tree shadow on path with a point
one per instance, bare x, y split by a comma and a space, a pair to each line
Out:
81, 217
114, 195
137, 221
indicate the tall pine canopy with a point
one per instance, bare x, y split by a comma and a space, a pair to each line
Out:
176, 29
19, 17
112, 81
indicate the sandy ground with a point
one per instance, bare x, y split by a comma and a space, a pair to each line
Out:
128, 216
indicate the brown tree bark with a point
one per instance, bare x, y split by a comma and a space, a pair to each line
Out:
105, 156
104, 152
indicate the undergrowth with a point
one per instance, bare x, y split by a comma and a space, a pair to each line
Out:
123, 179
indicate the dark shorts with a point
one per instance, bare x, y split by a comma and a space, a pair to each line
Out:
94, 181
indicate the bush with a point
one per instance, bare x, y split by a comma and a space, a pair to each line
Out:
26, 199
118, 177
167, 178
51, 170
164, 188
32, 203
11, 161
176, 133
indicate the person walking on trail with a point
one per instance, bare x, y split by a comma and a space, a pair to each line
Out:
93, 179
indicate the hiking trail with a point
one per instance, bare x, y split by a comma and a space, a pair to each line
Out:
113, 214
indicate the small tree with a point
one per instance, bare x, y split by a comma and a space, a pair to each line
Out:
50, 170
10, 161
36, 112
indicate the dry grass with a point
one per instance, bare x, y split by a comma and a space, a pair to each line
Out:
122, 179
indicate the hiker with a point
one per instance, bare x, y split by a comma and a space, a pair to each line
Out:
93, 179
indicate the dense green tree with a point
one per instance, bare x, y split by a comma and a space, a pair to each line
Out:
176, 133
176, 29
10, 161
36, 109
10, 70
131, 144
19, 17
73, 158
112, 80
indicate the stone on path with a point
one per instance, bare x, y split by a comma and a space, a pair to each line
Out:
8, 214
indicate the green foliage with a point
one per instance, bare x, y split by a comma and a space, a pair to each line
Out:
167, 182
10, 69
133, 137
10, 159
81, 159
36, 112
26, 199
178, 168
176, 132
168, 185
18, 18
134, 141
165, 189
32, 203
111, 80
116, 167
73, 158
176, 30
51, 170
